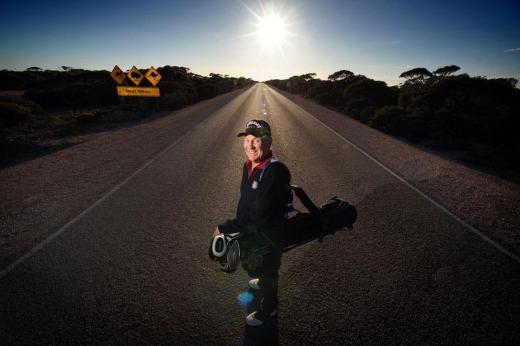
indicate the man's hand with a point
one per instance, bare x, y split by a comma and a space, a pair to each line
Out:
216, 231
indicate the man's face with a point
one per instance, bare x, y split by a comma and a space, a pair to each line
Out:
256, 147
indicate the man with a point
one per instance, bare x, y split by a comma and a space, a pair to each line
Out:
261, 213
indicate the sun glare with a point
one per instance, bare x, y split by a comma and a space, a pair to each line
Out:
271, 27
272, 30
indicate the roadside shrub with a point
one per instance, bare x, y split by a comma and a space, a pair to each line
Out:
14, 114
366, 115
11, 80
168, 87
389, 119
416, 125
376, 91
175, 100
328, 93
278, 84
98, 93
355, 106
173, 73
16, 110
34, 107
328, 99
444, 141
206, 91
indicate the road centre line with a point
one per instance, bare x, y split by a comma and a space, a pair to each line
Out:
401, 179
63, 228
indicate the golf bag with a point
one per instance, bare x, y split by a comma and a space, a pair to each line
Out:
249, 247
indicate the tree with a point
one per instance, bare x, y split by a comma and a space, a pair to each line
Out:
297, 84
446, 70
66, 68
176, 73
509, 81
419, 74
308, 76
34, 69
340, 75
216, 76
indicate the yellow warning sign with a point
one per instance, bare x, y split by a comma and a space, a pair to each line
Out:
153, 76
135, 76
118, 75
138, 91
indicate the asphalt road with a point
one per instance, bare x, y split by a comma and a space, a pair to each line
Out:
134, 269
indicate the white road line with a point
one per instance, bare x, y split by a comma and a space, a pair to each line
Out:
398, 177
63, 228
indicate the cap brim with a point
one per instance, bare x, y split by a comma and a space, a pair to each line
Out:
254, 132
248, 132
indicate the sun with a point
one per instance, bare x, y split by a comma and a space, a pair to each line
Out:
272, 30
272, 27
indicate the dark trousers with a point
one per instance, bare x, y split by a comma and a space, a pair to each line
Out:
268, 280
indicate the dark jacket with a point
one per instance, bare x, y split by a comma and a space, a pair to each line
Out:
263, 208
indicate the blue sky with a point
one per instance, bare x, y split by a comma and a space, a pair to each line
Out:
377, 38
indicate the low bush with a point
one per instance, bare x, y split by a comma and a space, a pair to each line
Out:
16, 111
176, 100
206, 91
389, 119
14, 114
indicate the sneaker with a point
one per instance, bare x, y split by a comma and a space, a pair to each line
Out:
257, 318
253, 283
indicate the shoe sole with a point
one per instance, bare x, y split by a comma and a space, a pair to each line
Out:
249, 322
256, 287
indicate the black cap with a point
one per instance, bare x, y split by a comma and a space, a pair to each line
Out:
257, 128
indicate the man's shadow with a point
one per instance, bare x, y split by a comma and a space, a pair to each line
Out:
267, 333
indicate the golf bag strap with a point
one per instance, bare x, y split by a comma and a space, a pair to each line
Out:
311, 207
273, 159
304, 198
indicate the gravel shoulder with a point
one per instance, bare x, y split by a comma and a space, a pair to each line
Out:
487, 202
